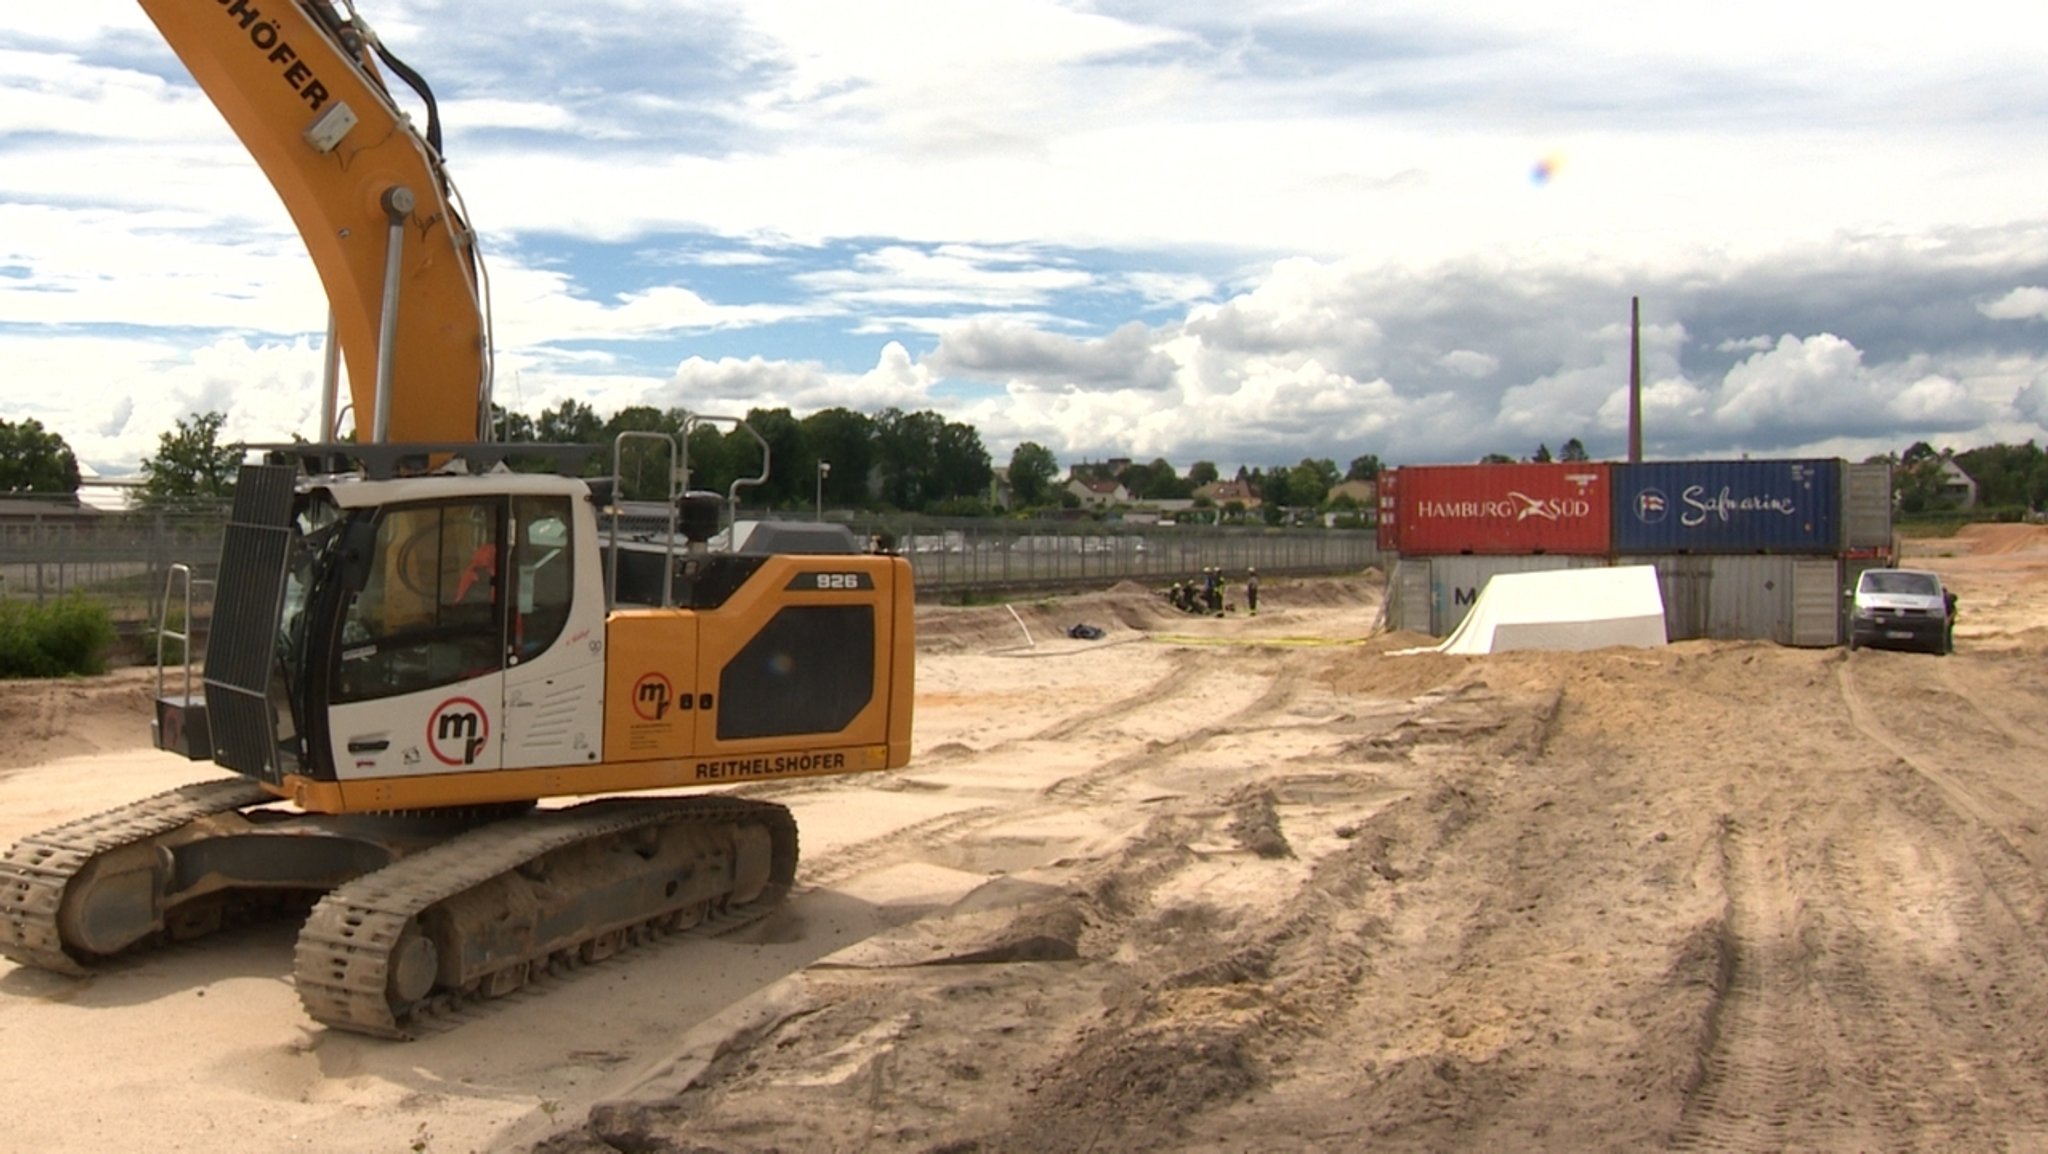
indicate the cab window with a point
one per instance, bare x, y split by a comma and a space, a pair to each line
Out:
542, 573
431, 610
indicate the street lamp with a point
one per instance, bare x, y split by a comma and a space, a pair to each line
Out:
824, 469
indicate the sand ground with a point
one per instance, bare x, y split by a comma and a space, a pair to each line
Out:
1220, 885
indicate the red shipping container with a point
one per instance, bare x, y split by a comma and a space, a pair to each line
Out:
1561, 507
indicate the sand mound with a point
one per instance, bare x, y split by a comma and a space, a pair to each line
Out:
42, 721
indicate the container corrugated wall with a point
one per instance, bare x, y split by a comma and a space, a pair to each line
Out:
1408, 595
1455, 582
1867, 506
1561, 508
1787, 599
1789, 506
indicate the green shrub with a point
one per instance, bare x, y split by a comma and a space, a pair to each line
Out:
63, 638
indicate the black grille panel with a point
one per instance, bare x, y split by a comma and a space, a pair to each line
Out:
242, 736
247, 602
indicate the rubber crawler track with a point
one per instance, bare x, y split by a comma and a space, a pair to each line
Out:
37, 869
345, 951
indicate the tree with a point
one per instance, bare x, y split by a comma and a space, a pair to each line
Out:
1917, 479
1496, 459
711, 465
644, 464
906, 447
1202, 473
570, 423
1033, 469
792, 471
926, 459
1309, 483
33, 460
1366, 468
1154, 482
1542, 456
846, 440
1573, 450
963, 463
511, 427
191, 465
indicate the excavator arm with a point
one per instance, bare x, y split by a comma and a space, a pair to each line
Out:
299, 85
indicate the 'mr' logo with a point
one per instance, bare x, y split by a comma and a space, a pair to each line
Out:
652, 695
457, 731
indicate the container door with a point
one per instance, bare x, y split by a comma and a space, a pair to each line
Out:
1867, 506
1687, 584
1817, 602
1410, 610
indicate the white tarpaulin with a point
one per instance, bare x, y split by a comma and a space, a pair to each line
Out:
1563, 609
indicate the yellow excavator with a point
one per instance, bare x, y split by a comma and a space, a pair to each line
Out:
413, 645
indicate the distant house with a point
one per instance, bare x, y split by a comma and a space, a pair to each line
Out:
1222, 493
1364, 494
1099, 492
1957, 487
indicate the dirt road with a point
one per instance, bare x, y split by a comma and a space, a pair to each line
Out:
1231, 885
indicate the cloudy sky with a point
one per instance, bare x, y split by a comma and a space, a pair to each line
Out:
1246, 231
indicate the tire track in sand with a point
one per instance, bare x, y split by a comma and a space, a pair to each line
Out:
2009, 875
1136, 732
1758, 1042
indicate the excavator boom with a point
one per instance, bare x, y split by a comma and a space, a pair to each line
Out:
298, 85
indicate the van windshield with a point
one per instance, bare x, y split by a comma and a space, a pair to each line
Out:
1891, 581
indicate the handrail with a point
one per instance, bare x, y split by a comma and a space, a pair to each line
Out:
178, 570
676, 479
732, 496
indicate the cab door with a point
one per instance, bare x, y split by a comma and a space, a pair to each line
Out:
554, 656
418, 687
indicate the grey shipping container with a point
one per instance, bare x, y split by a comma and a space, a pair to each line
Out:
1787, 599
1770, 506
1455, 582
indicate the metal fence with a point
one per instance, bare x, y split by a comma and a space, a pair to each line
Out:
967, 557
119, 560
122, 560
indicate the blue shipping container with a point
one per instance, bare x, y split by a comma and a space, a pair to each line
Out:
1728, 507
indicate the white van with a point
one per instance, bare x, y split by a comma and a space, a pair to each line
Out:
1900, 609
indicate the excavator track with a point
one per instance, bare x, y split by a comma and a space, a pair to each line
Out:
480, 915
37, 870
